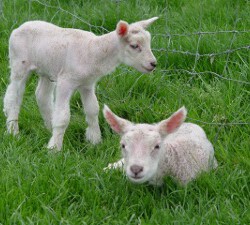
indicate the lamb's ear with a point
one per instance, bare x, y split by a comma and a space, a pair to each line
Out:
173, 122
145, 23
116, 123
122, 28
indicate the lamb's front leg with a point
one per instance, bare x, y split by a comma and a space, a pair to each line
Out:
91, 108
61, 113
13, 99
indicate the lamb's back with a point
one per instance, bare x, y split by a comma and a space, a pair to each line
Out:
49, 48
187, 152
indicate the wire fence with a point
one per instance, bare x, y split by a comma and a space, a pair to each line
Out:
169, 50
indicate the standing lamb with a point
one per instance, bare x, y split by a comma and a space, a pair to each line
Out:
170, 147
67, 60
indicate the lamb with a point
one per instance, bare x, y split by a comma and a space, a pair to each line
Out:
67, 60
170, 147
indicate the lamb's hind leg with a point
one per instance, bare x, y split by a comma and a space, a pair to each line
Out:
61, 113
45, 98
14, 95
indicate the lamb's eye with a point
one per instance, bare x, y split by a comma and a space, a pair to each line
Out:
134, 46
124, 150
157, 147
155, 151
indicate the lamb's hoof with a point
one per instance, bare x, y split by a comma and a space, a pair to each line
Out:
93, 136
12, 127
53, 147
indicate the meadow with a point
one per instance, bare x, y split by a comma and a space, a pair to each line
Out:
202, 48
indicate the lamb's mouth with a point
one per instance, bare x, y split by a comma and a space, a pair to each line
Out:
137, 179
148, 69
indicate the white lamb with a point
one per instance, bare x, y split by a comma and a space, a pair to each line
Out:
170, 147
67, 60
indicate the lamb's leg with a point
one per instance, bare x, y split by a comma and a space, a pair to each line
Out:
45, 98
61, 113
13, 98
91, 108
117, 165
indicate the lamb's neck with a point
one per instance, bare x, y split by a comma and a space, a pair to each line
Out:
108, 51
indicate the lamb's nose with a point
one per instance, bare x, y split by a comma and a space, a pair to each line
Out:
153, 64
136, 169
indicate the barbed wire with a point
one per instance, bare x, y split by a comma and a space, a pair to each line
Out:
197, 54
204, 72
202, 33
69, 13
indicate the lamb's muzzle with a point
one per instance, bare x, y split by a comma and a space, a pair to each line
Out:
136, 170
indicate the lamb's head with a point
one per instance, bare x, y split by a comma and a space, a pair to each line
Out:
136, 45
142, 144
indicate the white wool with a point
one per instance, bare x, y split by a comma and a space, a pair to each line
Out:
171, 147
67, 60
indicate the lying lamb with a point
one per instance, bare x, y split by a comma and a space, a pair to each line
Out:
170, 147
67, 60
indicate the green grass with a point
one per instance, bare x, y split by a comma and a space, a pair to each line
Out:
70, 187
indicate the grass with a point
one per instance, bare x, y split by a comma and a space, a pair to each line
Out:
70, 187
